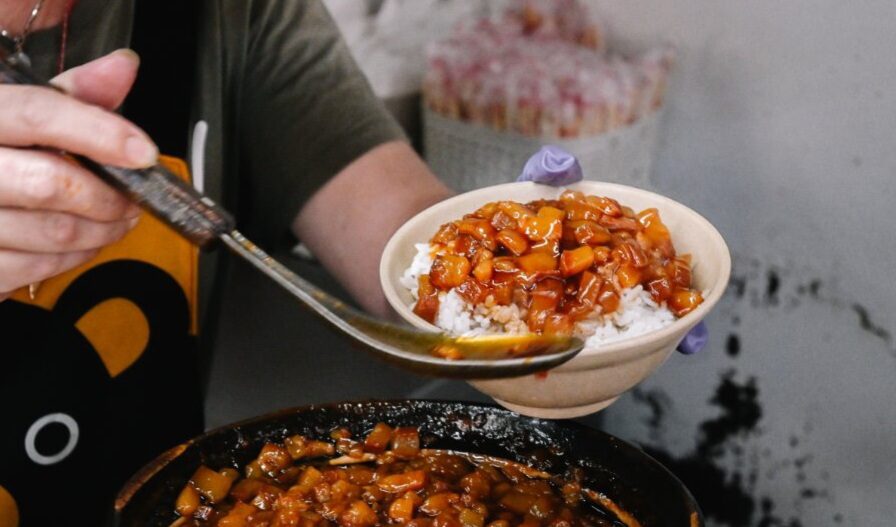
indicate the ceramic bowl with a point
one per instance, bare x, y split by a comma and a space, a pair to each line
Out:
595, 378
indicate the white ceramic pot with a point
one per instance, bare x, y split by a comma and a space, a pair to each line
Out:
596, 377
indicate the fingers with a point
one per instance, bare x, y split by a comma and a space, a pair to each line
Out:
55, 215
104, 82
18, 269
37, 116
39, 180
55, 232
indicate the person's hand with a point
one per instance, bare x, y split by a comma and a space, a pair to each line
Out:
55, 215
555, 166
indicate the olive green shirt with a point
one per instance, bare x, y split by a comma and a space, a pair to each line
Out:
287, 107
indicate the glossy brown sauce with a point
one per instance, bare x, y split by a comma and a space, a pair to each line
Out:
560, 260
387, 479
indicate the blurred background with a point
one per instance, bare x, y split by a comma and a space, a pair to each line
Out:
777, 123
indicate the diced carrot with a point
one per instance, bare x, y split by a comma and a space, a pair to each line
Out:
558, 324
473, 291
427, 306
230, 473
486, 211
402, 509
551, 213
683, 301
358, 514
655, 231
538, 228
517, 502
470, 518
628, 251
213, 485
463, 245
619, 224
187, 501
536, 262
253, 470
628, 275
571, 195
589, 232
479, 229
476, 484
501, 221
513, 241
397, 483
238, 516
680, 271
246, 489
608, 300
445, 234
405, 442
378, 438
581, 211
515, 210
608, 206
438, 503
589, 289
483, 265
274, 458
449, 270
505, 264
601, 254
659, 289
544, 299
550, 247
502, 288
575, 261
542, 508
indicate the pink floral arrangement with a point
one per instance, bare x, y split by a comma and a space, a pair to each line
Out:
542, 69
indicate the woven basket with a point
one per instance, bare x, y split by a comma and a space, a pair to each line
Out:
468, 156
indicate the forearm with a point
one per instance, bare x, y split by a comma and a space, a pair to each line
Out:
348, 221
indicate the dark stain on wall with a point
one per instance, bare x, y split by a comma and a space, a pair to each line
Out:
721, 491
725, 490
772, 285
870, 326
725, 464
741, 413
732, 345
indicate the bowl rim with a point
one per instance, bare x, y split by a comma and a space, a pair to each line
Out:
133, 485
622, 350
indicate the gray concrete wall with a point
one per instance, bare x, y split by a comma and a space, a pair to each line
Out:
780, 128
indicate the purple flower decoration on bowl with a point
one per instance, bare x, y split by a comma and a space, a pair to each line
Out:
552, 166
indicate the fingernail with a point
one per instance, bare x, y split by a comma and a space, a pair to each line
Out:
133, 223
129, 53
141, 152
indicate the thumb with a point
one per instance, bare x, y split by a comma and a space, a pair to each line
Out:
104, 82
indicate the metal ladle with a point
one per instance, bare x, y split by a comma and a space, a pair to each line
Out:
204, 223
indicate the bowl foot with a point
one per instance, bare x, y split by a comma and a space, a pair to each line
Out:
568, 412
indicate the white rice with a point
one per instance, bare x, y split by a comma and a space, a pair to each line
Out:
637, 314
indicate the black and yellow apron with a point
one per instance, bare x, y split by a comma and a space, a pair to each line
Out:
98, 373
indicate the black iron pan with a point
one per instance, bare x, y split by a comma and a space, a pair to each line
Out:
623, 472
